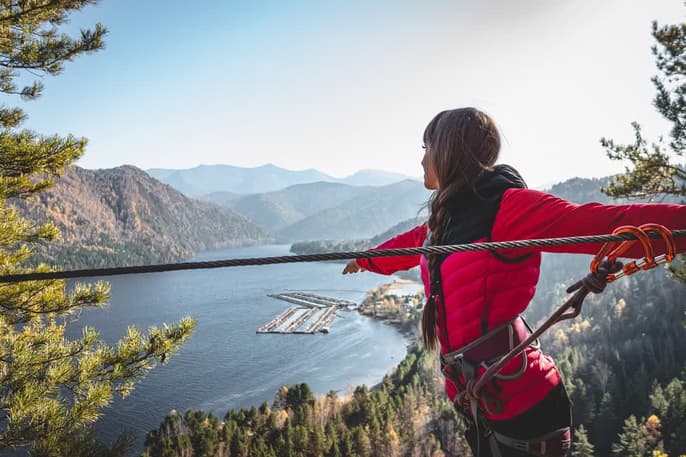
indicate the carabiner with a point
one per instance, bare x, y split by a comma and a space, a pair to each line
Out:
614, 249
670, 244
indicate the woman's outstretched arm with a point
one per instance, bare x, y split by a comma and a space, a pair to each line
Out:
530, 214
389, 265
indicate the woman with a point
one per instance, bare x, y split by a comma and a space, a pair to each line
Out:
475, 298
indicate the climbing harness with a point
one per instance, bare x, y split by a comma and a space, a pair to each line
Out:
484, 351
440, 250
496, 348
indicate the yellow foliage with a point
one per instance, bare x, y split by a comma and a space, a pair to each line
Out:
392, 436
561, 338
619, 308
579, 327
281, 417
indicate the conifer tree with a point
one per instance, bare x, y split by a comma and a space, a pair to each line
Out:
51, 388
582, 446
670, 405
652, 171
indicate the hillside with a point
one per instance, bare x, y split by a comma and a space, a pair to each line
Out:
584, 190
123, 216
363, 216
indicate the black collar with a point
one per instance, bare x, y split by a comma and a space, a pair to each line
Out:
472, 212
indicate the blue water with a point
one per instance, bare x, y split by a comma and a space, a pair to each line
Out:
226, 364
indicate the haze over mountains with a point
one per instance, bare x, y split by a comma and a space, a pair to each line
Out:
278, 209
205, 179
317, 206
362, 216
325, 210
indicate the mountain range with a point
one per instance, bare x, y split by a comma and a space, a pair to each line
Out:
362, 216
206, 179
278, 209
124, 216
324, 210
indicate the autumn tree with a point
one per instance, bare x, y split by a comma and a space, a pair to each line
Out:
52, 388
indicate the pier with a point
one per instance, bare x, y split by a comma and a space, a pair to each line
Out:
320, 311
278, 320
293, 326
313, 300
323, 323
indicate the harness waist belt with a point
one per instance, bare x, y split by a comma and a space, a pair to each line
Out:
492, 345
553, 444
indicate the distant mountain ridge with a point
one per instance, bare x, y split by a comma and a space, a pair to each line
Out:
362, 216
207, 179
585, 190
124, 216
278, 209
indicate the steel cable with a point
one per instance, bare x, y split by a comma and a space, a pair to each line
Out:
442, 249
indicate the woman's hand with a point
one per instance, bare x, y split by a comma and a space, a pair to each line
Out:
352, 267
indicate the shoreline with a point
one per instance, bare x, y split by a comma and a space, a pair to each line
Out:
407, 328
397, 304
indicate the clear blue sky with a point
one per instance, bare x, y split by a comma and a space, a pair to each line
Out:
342, 86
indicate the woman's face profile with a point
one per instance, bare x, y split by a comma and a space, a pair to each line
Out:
430, 177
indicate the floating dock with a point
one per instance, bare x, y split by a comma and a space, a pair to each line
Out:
297, 322
313, 300
323, 324
278, 320
317, 310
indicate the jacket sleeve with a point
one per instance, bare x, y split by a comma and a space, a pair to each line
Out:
530, 214
389, 265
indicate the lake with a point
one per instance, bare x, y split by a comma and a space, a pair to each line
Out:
226, 364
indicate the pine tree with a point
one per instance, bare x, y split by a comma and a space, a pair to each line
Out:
653, 173
605, 424
51, 388
582, 447
632, 440
361, 442
670, 405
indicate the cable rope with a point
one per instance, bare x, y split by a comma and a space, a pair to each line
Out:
346, 255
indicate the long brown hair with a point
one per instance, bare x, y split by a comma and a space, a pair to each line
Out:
462, 143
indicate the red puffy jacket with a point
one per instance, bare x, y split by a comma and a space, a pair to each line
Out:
473, 281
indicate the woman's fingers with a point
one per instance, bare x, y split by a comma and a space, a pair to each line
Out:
352, 267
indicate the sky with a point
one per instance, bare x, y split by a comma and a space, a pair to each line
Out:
341, 86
